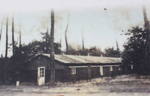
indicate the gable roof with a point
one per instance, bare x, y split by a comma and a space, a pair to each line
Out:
84, 59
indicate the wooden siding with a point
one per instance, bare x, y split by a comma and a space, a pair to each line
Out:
41, 61
1, 70
82, 72
64, 71
95, 72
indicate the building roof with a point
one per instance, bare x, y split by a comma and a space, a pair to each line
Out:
77, 59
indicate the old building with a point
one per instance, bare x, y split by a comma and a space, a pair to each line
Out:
71, 67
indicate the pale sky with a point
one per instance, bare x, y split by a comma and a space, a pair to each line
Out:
101, 28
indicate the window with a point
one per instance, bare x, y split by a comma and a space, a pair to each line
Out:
73, 71
132, 67
42, 72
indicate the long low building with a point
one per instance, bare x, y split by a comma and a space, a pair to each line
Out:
71, 67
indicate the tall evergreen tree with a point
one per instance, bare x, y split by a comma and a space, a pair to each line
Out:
137, 49
147, 43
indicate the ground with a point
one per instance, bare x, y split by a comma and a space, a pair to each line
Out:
125, 85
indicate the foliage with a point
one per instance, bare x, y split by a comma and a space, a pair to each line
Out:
111, 52
134, 49
46, 39
39, 47
94, 51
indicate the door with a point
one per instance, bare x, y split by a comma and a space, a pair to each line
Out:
41, 76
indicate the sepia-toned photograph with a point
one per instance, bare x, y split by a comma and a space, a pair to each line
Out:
74, 48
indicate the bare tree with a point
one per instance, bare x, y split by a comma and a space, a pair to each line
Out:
5, 68
83, 42
66, 39
117, 46
52, 65
13, 41
6, 50
1, 30
47, 40
20, 37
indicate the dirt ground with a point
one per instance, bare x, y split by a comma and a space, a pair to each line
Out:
126, 85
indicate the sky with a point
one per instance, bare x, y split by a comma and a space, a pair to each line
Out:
100, 22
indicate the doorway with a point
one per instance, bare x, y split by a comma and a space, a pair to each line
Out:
41, 76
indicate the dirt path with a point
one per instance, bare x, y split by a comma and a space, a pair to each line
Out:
126, 85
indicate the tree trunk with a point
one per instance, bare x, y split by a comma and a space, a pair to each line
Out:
1, 31
6, 53
117, 46
6, 50
20, 37
83, 48
66, 39
13, 41
47, 41
52, 65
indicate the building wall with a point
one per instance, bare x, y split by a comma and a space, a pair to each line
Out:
106, 71
66, 73
82, 73
95, 72
41, 61
63, 75
1, 70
